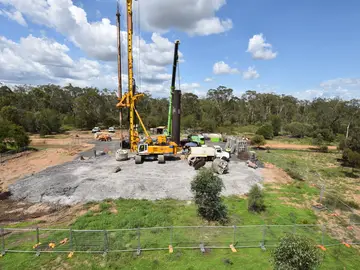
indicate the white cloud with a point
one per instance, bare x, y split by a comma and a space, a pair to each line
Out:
41, 60
96, 39
208, 79
259, 49
196, 17
223, 68
345, 88
250, 74
14, 15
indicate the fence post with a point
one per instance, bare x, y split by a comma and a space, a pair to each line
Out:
262, 244
106, 244
139, 245
234, 235
37, 235
71, 240
2, 242
171, 235
322, 234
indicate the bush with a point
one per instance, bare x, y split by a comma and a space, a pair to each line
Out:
207, 187
258, 140
298, 130
324, 149
296, 252
256, 200
267, 131
325, 133
294, 174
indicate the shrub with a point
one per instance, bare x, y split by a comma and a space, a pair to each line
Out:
296, 252
256, 199
207, 187
258, 140
324, 149
294, 174
267, 131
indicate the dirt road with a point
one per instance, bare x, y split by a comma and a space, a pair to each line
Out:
277, 145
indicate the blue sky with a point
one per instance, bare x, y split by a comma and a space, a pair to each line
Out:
304, 48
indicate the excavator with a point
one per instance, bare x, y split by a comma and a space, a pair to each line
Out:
162, 146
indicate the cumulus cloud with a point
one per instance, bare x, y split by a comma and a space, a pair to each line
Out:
14, 15
259, 49
208, 80
250, 74
222, 68
196, 17
96, 39
41, 60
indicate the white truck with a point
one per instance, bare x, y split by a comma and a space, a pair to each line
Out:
206, 153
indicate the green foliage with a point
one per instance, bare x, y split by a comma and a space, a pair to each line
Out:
12, 135
324, 149
256, 199
325, 134
352, 157
298, 130
258, 140
276, 124
266, 131
207, 187
296, 252
47, 121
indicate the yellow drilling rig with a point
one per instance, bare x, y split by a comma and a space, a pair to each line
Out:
162, 146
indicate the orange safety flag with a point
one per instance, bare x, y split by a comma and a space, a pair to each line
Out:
171, 250
233, 249
346, 244
321, 247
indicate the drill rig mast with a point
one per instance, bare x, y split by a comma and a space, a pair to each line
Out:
128, 99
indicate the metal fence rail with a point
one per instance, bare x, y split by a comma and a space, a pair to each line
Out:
39, 240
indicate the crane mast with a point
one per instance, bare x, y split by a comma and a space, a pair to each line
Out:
172, 88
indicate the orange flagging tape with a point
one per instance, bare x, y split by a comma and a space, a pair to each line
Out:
346, 244
64, 241
52, 245
233, 249
350, 227
70, 255
334, 215
36, 245
321, 247
171, 250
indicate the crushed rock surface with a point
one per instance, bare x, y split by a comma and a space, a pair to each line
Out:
94, 180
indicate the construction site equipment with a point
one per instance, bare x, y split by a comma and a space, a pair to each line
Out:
206, 153
220, 166
199, 139
121, 154
128, 100
172, 89
118, 32
238, 147
104, 137
156, 150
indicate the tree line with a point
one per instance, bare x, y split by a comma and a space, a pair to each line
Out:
50, 108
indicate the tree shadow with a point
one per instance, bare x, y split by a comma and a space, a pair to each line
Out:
351, 175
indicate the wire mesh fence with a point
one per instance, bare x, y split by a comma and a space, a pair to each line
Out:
38, 240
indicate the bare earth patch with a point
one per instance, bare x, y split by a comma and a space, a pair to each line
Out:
277, 145
33, 162
274, 175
